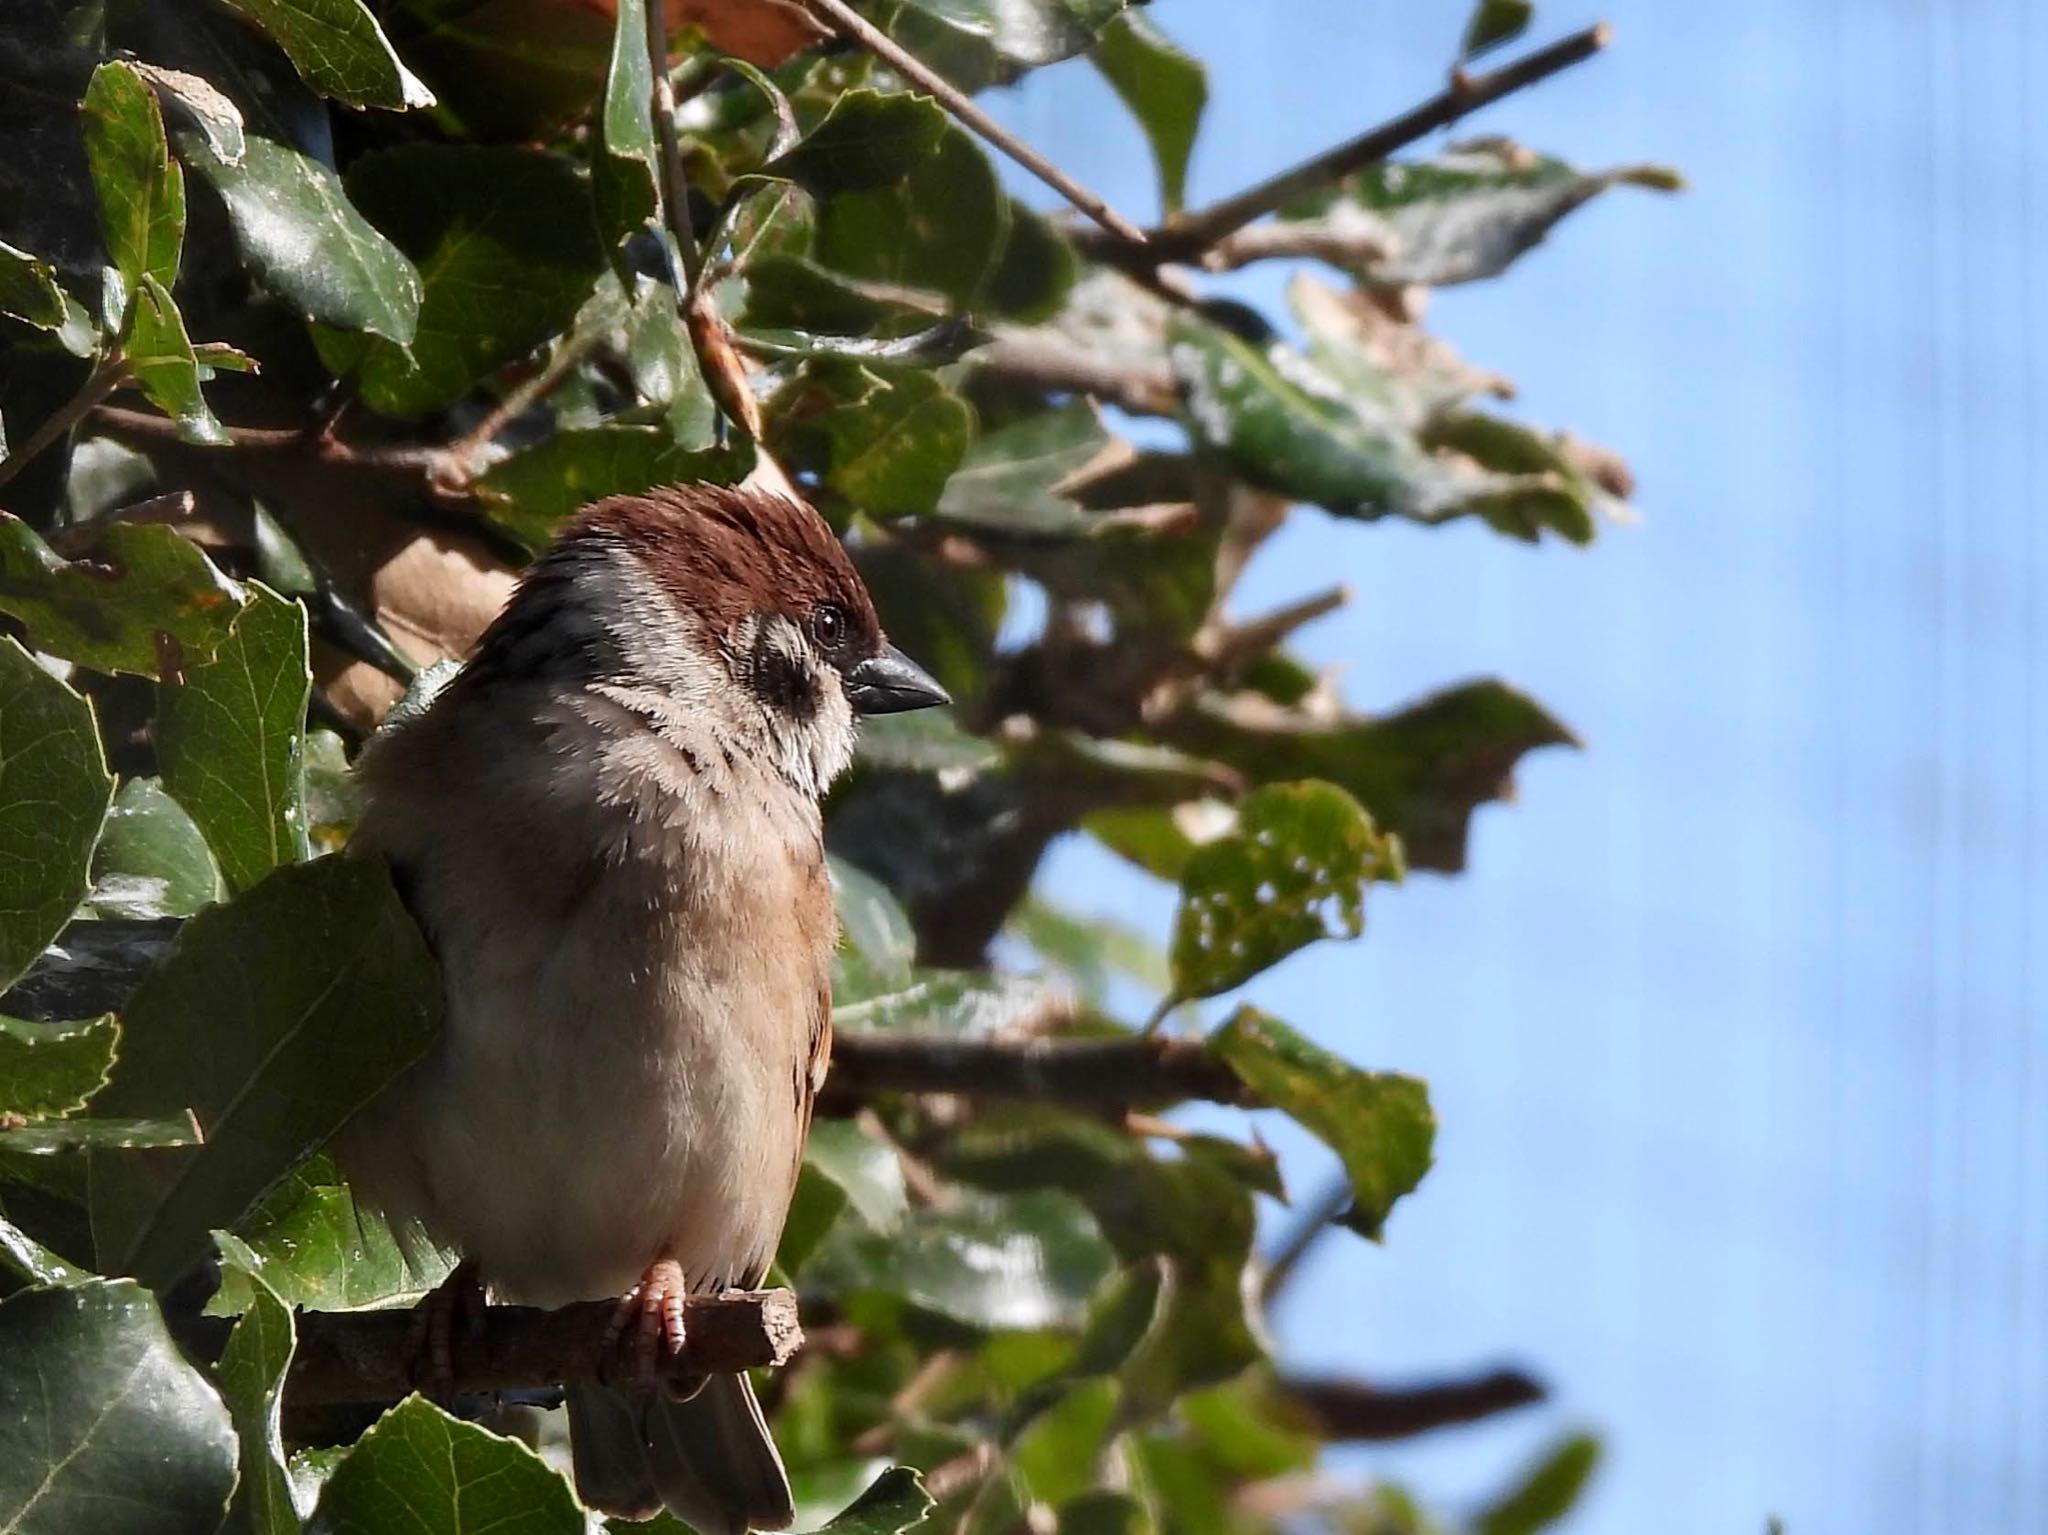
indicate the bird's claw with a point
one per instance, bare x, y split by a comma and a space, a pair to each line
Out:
456, 1303
646, 1333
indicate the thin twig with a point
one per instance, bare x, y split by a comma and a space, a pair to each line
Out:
1348, 1410
1232, 645
845, 18
1187, 236
523, 397
101, 382
1109, 1073
1310, 1227
675, 196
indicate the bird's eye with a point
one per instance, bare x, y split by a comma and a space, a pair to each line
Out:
828, 625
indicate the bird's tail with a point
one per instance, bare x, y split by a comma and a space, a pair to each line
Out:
709, 1460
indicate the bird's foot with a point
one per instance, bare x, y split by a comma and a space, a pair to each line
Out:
644, 1339
456, 1304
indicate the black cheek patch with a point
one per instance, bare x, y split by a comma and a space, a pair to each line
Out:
783, 683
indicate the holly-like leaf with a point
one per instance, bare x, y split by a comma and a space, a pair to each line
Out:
152, 860
1547, 1493
1165, 90
305, 241
884, 439
141, 191
230, 738
103, 1424
28, 289
942, 226
1294, 870
274, 1018
1009, 481
1379, 1123
895, 1502
867, 142
25, 1262
142, 600
163, 361
418, 1468
535, 490
250, 1376
339, 48
54, 792
506, 247
1465, 214
53, 1068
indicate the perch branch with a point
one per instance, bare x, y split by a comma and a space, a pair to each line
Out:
1350, 1410
1188, 236
368, 1356
1096, 1073
841, 17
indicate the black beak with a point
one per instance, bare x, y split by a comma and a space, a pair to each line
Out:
891, 683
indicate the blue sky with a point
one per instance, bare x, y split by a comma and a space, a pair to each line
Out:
1735, 1024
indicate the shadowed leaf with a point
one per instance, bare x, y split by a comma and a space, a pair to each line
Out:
1165, 90
250, 1376
53, 1068
141, 192
418, 1468
28, 289
339, 48
315, 1247
152, 860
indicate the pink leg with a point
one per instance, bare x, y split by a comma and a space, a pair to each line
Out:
652, 1312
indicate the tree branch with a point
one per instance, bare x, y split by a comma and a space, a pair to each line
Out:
369, 1356
1093, 1073
1351, 1410
101, 382
1188, 236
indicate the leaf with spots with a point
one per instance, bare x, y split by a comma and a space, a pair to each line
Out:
1294, 871
54, 791
1379, 1123
141, 190
231, 737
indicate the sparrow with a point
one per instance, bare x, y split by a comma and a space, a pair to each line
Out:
608, 827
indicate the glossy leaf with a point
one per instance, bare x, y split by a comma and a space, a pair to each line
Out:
1548, 1493
311, 1243
883, 441
54, 791
25, 1262
869, 1172
974, 1004
305, 241
230, 739
103, 1425
535, 490
94, 1132
1379, 1123
866, 142
1494, 22
1009, 480
1294, 870
28, 289
250, 1376
877, 946
506, 247
1165, 90
162, 359
941, 226
978, 43
274, 1018
1468, 213
141, 192
623, 171
152, 860
339, 48
418, 1468
53, 1068
894, 1503
141, 600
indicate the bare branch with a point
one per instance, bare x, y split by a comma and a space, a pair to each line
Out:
1144, 389
1190, 235
369, 1356
1351, 1410
1313, 1223
1089, 1073
842, 17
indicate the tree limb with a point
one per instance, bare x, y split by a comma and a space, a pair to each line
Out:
1188, 236
1089, 1073
1351, 1410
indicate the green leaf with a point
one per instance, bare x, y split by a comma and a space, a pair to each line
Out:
141, 192
302, 238
972, 1004
1548, 1492
339, 48
1494, 22
53, 1068
1056, 1454
1105, 1511
197, 102
978, 43
1294, 870
1165, 89
315, 1247
142, 600
418, 1468
333, 801
250, 1376
867, 1171
152, 860
49, 1137
786, 292
623, 171
506, 248
877, 946
163, 361
1464, 215
1008, 482
25, 1262
1092, 952
924, 741
566, 471
942, 226
54, 791
1287, 427
28, 289
894, 1503
1035, 272
103, 1425
867, 142
274, 1018
231, 735
885, 444
1380, 1124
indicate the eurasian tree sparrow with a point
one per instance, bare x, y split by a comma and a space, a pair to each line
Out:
608, 827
